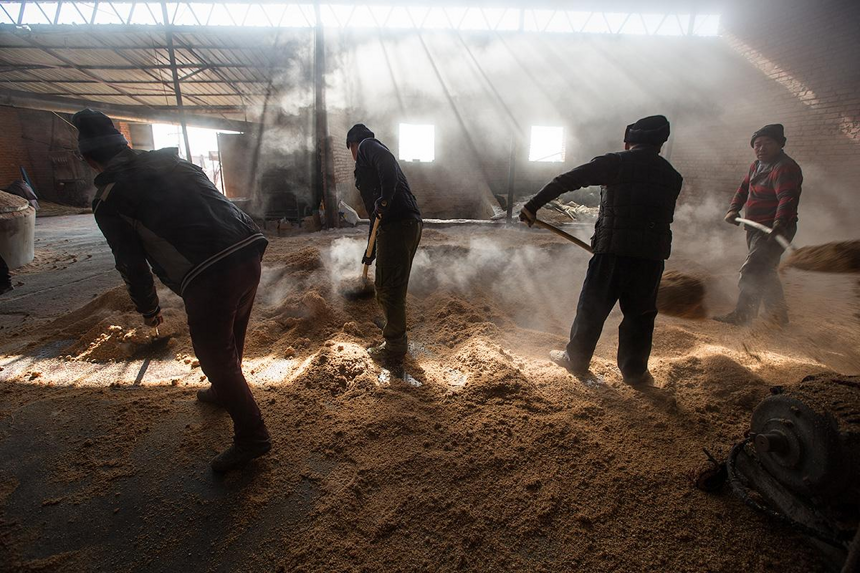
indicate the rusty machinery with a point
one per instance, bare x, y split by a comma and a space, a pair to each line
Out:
800, 464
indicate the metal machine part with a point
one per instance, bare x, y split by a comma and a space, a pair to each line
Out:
802, 458
808, 437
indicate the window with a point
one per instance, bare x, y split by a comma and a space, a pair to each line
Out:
417, 142
204, 147
547, 144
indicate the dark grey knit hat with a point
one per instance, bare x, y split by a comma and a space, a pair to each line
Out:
651, 130
358, 133
775, 131
96, 130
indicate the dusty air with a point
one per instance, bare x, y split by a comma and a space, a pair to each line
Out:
541, 286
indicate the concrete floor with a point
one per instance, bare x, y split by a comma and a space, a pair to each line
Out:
73, 264
84, 524
97, 476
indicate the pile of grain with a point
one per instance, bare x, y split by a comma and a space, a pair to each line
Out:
841, 257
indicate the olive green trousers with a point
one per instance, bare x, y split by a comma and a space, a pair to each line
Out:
396, 244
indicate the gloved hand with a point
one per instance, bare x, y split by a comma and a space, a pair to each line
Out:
527, 217
365, 260
380, 207
730, 218
153, 320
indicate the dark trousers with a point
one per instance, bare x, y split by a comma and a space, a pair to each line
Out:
759, 282
631, 281
396, 244
218, 305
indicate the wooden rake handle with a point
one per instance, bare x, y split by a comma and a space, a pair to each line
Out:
561, 233
371, 242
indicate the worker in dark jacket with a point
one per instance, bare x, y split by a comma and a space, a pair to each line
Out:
770, 192
632, 239
160, 212
386, 194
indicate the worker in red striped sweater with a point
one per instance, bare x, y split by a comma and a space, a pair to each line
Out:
770, 194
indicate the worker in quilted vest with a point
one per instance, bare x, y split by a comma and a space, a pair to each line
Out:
631, 241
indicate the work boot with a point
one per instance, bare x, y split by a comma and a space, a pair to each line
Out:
208, 396
778, 318
239, 454
384, 351
733, 318
561, 358
644, 379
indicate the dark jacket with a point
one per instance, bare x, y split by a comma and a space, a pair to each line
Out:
637, 201
158, 210
377, 174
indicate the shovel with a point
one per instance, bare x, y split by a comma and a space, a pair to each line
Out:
783, 242
679, 295
148, 352
838, 257
561, 233
362, 287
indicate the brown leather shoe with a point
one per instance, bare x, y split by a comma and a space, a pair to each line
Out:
208, 396
239, 454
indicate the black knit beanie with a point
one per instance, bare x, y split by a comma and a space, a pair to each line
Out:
96, 130
651, 130
775, 131
358, 133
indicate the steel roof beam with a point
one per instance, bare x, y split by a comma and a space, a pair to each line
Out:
123, 82
150, 114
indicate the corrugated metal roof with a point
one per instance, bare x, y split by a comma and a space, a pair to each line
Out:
225, 70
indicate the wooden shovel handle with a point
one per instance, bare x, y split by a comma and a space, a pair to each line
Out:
370, 244
783, 242
372, 241
561, 233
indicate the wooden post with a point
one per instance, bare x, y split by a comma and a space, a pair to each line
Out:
323, 176
512, 171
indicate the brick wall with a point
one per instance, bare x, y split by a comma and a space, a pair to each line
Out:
13, 150
793, 62
444, 188
125, 129
787, 61
30, 138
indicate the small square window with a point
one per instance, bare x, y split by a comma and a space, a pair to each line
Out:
417, 142
547, 144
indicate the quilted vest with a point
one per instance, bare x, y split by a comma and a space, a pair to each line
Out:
637, 209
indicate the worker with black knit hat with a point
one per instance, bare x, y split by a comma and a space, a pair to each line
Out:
769, 194
161, 213
631, 241
386, 195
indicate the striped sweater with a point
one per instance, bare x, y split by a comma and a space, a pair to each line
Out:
770, 192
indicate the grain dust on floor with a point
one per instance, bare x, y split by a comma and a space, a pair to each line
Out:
476, 454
